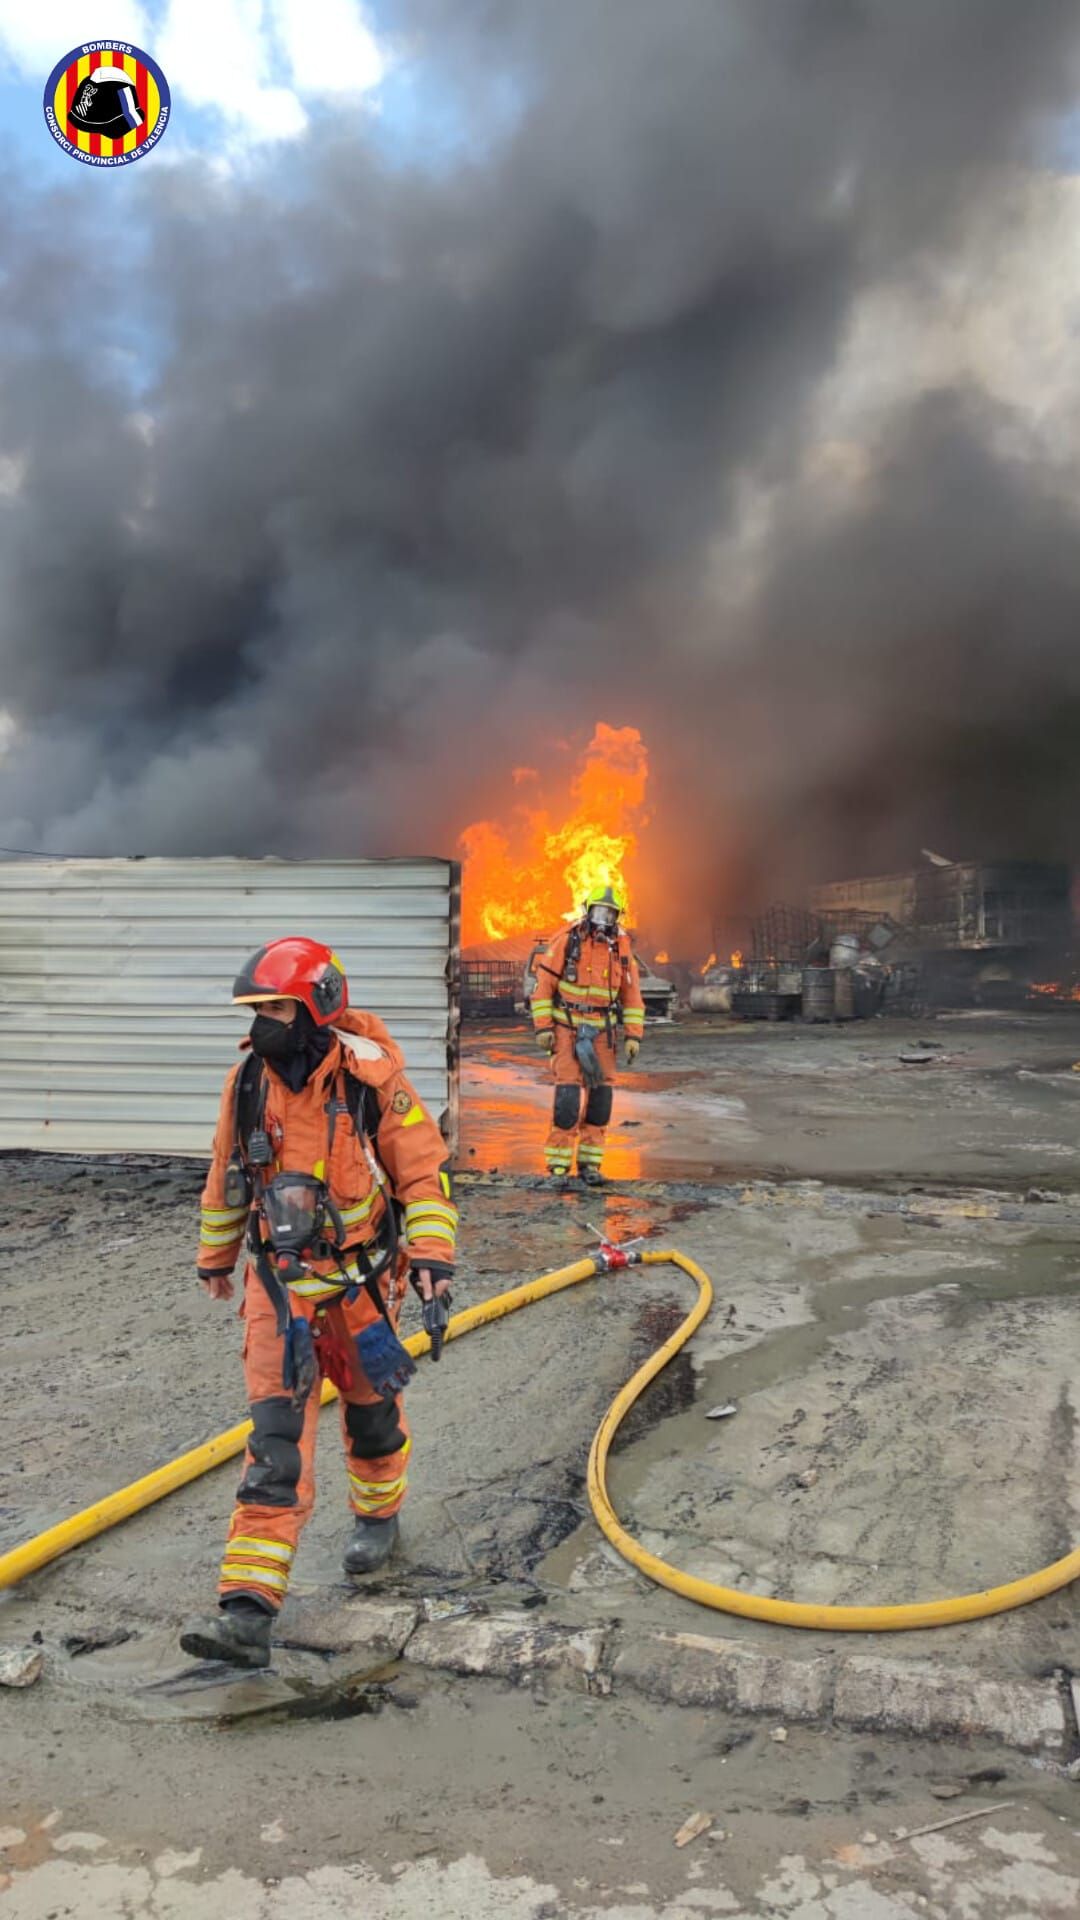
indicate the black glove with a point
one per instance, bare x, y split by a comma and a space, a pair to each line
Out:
436, 1311
438, 1269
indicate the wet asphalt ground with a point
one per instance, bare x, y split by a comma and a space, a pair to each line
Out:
892, 1245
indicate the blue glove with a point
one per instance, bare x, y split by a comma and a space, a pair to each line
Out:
388, 1365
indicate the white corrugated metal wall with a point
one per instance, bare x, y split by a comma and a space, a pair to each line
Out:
116, 1027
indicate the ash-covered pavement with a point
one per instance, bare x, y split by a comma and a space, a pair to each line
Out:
900, 1341
988, 1099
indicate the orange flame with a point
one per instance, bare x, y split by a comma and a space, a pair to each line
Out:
1055, 990
661, 959
527, 876
736, 958
710, 962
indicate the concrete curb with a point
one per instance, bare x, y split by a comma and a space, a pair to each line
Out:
379, 1628
857, 1691
862, 1692
511, 1646
698, 1670
921, 1698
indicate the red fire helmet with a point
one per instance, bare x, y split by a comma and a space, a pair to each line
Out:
295, 969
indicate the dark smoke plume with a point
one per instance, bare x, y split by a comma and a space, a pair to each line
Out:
338, 486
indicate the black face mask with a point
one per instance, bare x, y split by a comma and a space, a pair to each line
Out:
273, 1040
294, 1051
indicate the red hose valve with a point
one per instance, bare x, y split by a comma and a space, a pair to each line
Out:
609, 1257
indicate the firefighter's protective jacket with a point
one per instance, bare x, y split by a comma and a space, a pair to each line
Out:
409, 1149
583, 980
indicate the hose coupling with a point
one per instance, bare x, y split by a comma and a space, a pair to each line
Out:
608, 1256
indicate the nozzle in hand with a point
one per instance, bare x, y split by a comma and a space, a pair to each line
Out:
436, 1320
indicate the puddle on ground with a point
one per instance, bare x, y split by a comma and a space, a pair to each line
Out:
674, 1390
663, 1129
1037, 1270
149, 1678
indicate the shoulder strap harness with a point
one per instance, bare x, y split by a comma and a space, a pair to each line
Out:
250, 1158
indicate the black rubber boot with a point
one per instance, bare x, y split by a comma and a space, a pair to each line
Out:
591, 1176
238, 1633
371, 1545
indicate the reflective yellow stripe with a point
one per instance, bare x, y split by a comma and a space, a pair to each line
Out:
357, 1481
443, 1225
360, 1211
382, 1487
443, 1209
315, 1285
253, 1576
369, 1495
223, 1216
381, 1495
245, 1543
542, 1006
220, 1236
633, 1016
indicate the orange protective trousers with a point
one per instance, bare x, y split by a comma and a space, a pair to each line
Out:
568, 1128
277, 1493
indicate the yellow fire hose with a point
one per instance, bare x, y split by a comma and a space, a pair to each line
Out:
37, 1553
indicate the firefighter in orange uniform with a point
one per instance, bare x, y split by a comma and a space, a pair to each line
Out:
328, 1165
587, 976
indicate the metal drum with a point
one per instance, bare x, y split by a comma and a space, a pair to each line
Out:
818, 994
844, 951
710, 999
844, 994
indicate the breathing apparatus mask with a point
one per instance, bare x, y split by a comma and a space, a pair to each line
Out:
294, 1223
603, 919
302, 1223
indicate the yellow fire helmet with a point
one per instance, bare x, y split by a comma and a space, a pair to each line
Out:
605, 897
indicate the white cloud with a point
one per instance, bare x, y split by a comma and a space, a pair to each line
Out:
219, 55
33, 39
328, 46
254, 61
250, 62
